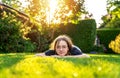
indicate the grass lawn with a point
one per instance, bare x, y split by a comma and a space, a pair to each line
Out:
21, 65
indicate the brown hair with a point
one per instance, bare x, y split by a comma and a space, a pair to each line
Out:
65, 38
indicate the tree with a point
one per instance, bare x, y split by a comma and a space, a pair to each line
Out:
55, 11
112, 19
13, 3
45, 15
49, 13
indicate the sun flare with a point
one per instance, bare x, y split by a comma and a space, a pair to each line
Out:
52, 7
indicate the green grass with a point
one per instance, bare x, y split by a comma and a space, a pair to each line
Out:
20, 65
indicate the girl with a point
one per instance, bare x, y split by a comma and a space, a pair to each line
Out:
63, 46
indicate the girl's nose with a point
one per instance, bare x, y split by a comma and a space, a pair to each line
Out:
61, 48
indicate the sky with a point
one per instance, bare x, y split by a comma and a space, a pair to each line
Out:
97, 8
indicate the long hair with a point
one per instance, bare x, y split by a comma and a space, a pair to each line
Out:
65, 38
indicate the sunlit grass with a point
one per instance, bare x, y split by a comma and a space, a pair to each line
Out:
20, 65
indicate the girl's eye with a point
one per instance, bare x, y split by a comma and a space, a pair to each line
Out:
58, 46
64, 46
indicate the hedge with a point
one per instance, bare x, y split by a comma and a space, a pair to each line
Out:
83, 34
106, 36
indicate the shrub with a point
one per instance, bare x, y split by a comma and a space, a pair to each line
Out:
11, 39
115, 44
106, 35
83, 34
99, 49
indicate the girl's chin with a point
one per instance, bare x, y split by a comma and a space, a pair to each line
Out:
61, 54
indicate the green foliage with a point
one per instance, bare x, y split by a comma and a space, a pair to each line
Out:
115, 44
29, 29
106, 35
112, 19
41, 36
11, 39
83, 34
13, 3
28, 66
43, 26
98, 49
86, 34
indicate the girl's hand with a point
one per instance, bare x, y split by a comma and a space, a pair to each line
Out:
40, 54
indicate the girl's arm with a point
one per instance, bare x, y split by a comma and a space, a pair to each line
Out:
40, 54
46, 53
74, 56
79, 56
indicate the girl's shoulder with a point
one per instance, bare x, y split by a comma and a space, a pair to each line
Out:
49, 52
75, 50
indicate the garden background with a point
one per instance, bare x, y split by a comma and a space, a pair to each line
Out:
26, 30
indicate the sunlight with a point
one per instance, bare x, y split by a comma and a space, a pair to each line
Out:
52, 7
24, 3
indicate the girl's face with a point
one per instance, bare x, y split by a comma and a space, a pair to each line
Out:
61, 48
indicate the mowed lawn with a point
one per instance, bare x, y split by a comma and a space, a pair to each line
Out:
21, 65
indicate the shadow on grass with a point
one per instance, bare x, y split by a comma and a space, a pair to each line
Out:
86, 61
77, 61
109, 58
8, 60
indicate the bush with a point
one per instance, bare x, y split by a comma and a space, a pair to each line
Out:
99, 49
41, 38
115, 44
106, 35
11, 39
83, 34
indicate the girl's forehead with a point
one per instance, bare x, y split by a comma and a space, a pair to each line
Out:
61, 42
